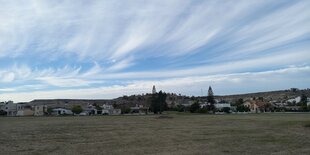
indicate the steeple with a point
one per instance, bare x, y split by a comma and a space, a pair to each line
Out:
154, 90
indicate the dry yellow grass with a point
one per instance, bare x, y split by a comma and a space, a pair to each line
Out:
181, 134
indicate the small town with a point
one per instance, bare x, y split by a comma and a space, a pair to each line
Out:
147, 104
155, 77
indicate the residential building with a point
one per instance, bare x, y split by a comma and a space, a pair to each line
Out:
108, 109
40, 110
139, 109
24, 110
10, 108
61, 111
222, 105
256, 106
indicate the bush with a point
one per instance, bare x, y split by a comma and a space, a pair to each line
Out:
194, 107
125, 109
180, 108
3, 113
77, 109
226, 109
203, 110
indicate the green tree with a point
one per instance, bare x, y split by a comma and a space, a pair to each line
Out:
98, 107
158, 102
49, 110
195, 107
242, 108
303, 102
239, 102
77, 109
210, 99
125, 109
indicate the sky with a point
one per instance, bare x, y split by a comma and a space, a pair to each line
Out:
103, 49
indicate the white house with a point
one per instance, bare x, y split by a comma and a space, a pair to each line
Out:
61, 111
25, 111
109, 110
295, 100
10, 108
222, 105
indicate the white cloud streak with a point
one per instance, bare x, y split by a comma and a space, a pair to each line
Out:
219, 38
225, 83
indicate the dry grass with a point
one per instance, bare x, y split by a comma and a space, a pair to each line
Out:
180, 134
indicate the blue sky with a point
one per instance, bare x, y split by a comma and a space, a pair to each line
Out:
105, 49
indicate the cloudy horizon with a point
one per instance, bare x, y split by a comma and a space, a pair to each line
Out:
106, 49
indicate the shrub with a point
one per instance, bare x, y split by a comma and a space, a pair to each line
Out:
226, 109
194, 107
307, 125
77, 109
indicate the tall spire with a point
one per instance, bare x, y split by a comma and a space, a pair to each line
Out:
154, 90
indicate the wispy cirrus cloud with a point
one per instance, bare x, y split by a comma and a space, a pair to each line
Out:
81, 45
192, 85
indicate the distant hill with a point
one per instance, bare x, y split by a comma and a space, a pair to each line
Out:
269, 96
280, 95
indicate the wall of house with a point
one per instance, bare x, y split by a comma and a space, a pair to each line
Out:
39, 110
25, 112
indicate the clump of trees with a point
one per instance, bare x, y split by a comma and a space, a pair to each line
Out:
158, 102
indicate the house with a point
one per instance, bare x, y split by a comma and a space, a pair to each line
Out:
24, 110
117, 112
256, 106
2, 105
109, 110
294, 100
40, 110
10, 108
90, 111
222, 105
139, 109
2, 112
61, 111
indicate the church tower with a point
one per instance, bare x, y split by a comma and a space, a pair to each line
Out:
154, 90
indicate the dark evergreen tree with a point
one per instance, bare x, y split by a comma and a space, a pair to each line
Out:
210, 99
303, 102
158, 102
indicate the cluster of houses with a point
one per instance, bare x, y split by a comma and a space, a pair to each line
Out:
290, 105
21, 109
139, 105
255, 105
26, 109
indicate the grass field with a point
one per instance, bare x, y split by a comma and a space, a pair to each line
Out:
181, 134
